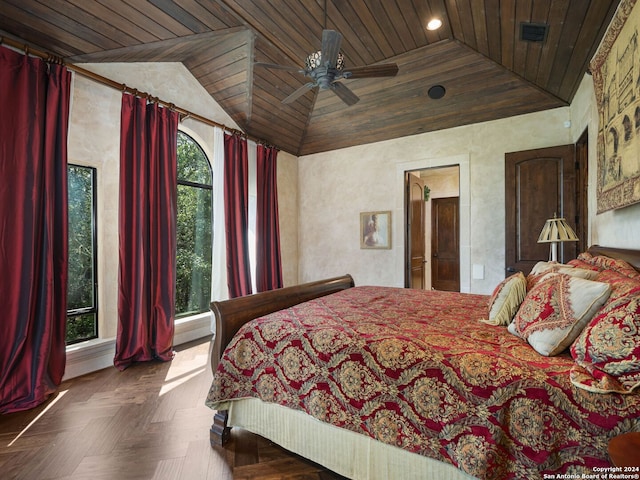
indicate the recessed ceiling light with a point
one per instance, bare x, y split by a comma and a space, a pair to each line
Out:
434, 24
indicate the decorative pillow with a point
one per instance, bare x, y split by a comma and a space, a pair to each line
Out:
595, 380
620, 284
534, 278
578, 263
540, 269
546, 267
506, 299
607, 352
556, 310
607, 263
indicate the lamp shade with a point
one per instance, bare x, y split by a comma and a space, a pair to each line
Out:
557, 230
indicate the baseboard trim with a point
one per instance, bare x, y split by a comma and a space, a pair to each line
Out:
97, 354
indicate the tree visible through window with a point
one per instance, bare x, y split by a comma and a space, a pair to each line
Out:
194, 229
82, 308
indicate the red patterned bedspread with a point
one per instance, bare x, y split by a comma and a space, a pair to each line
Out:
417, 369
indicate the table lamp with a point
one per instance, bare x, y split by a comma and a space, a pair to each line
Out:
556, 230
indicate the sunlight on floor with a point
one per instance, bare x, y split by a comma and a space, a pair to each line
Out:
24, 430
181, 372
179, 380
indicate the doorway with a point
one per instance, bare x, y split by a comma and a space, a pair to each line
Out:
432, 198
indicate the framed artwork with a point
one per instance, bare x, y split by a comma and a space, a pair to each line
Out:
375, 230
616, 79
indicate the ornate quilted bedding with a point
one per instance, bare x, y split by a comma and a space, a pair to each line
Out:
417, 369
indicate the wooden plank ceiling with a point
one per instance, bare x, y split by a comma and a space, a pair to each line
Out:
477, 55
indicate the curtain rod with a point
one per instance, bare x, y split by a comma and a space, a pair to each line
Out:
184, 114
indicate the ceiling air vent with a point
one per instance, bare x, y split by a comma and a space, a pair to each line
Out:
533, 32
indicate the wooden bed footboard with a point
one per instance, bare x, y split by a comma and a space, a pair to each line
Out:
232, 314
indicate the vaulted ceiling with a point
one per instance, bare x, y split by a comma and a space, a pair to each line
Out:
478, 56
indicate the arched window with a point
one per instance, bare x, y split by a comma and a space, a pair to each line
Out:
194, 232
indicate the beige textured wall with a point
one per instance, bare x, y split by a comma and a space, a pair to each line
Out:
334, 187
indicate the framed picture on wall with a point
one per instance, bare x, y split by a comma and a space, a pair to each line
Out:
375, 230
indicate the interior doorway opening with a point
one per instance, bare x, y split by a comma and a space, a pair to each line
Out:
432, 228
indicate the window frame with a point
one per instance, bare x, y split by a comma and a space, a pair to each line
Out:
76, 312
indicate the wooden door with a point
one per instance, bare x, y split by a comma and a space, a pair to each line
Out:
414, 278
445, 244
538, 183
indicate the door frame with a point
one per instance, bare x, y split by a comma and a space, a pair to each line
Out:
399, 230
582, 189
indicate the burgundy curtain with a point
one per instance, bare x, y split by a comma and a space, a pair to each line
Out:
148, 196
268, 261
236, 199
34, 116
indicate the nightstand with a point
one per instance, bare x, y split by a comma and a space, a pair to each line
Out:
624, 450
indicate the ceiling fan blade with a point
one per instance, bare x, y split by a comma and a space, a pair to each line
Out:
383, 70
345, 94
299, 92
278, 67
331, 41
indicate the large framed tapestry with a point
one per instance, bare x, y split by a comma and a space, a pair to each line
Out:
616, 77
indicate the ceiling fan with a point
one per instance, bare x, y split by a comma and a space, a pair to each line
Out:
326, 67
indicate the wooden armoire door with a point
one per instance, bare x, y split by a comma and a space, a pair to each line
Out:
538, 184
445, 244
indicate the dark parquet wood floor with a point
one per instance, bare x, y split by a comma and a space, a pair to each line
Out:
148, 422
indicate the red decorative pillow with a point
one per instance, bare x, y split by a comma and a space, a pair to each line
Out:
608, 263
506, 299
556, 310
620, 284
607, 352
578, 263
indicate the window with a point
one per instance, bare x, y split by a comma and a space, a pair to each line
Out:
82, 307
194, 229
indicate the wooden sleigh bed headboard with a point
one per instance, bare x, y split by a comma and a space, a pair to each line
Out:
231, 314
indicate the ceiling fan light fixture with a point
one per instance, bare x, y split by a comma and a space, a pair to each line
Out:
434, 24
326, 66
314, 60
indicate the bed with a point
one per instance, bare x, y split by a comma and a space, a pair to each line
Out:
383, 382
